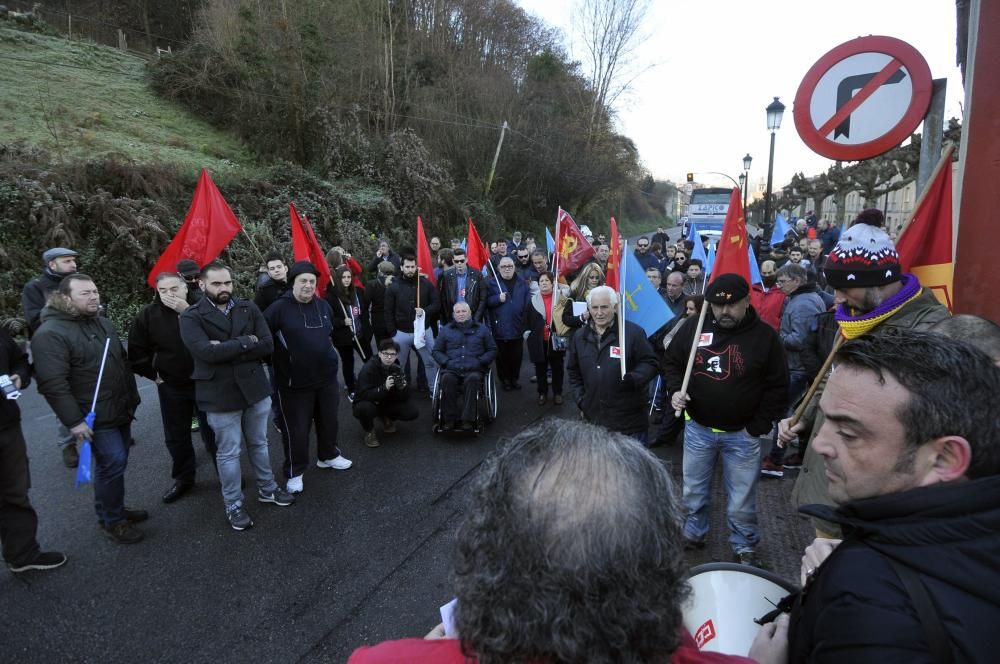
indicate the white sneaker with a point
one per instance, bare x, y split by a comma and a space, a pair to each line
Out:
294, 485
337, 463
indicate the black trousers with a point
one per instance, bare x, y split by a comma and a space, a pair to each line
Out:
299, 409
509, 356
553, 360
470, 382
399, 407
347, 360
177, 408
18, 521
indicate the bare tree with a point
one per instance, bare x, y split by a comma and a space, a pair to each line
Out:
611, 32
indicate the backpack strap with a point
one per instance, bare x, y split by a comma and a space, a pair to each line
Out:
937, 637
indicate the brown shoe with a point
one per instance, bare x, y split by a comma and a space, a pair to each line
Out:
371, 440
388, 426
71, 457
123, 532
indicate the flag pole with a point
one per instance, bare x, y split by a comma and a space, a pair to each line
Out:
838, 342
555, 265
621, 305
694, 351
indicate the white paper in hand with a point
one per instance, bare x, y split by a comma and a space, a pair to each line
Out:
418, 332
448, 618
579, 308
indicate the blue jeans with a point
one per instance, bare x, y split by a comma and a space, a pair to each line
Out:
405, 341
740, 454
110, 448
229, 428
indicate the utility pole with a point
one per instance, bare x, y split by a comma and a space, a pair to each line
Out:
496, 157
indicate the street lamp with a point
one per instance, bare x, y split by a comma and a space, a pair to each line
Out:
746, 178
774, 112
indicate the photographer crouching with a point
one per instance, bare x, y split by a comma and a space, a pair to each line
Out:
382, 392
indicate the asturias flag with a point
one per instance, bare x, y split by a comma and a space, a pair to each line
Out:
925, 245
572, 247
611, 279
209, 226
640, 302
733, 257
305, 247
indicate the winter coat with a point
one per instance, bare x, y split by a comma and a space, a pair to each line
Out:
375, 299
464, 347
304, 357
370, 385
35, 294
798, 320
13, 361
155, 347
401, 301
739, 379
269, 290
855, 607
392, 257
228, 375
538, 347
594, 368
67, 352
920, 315
506, 318
353, 308
475, 293
768, 304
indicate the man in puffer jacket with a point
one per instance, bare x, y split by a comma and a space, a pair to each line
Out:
463, 351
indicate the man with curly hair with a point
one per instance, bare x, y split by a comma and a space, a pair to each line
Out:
571, 551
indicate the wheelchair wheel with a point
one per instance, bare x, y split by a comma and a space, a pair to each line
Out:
436, 404
491, 397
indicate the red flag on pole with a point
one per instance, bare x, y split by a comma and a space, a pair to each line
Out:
571, 246
209, 226
612, 278
424, 262
305, 247
733, 257
475, 251
925, 245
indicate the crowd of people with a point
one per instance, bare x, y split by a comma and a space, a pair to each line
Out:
893, 447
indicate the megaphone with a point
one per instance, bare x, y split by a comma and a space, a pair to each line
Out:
725, 600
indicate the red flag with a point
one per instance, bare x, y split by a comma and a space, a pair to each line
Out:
925, 245
475, 251
424, 262
572, 247
208, 227
733, 257
614, 259
305, 247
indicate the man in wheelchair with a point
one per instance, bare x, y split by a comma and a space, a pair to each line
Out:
463, 350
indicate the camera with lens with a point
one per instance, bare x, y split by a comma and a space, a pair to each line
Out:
398, 382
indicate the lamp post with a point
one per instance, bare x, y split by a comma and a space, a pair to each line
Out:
746, 178
774, 112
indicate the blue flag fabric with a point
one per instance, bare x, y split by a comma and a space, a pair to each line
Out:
698, 251
781, 229
754, 268
710, 259
550, 243
84, 470
641, 303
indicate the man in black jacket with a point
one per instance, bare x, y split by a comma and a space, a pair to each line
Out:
911, 441
18, 521
604, 396
460, 284
59, 262
157, 352
382, 392
738, 387
401, 310
68, 351
228, 339
275, 284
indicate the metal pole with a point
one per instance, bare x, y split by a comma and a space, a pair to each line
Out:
770, 182
496, 157
746, 181
930, 144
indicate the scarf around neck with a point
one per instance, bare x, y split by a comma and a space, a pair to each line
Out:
853, 325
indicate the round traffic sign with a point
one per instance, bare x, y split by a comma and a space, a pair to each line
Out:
862, 98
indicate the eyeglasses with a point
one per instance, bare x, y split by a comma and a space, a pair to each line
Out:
522, 257
388, 353
458, 260
782, 280
642, 246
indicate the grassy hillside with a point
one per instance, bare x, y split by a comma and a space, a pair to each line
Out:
81, 100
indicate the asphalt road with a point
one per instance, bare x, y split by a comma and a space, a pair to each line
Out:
363, 556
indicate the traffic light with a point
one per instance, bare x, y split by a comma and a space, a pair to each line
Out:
690, 177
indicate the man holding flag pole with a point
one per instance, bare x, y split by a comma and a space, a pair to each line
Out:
728, 371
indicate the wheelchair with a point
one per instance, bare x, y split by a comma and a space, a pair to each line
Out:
487, 402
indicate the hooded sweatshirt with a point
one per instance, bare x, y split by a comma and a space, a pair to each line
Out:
304, 356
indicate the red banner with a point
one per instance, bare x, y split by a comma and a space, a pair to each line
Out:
733, 256
925, 245
475, 251
572, 248
425, 263
208, 228
612, 278
305, 247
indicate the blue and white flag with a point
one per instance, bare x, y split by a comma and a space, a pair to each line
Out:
640, 303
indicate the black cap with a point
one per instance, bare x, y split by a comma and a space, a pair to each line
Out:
301, 267
187, 268
726, 289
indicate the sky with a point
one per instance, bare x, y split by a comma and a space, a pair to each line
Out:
712, 67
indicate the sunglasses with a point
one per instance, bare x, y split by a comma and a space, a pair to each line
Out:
458, 260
